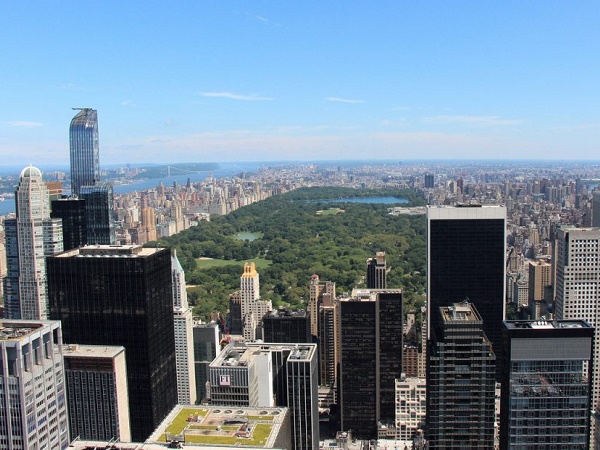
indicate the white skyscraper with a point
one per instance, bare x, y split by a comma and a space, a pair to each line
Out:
33, 414
578, 286
30, 237
184, 337
253, 309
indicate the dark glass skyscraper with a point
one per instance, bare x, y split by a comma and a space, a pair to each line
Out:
85, 151
371, 359
99, 213
122, 295
377, 272
466, 261
460, 382
73, 215
285, 326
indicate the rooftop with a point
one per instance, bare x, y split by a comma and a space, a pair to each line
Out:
255, 427
91, 351
114, 251
545, 324
17, 330
241, 355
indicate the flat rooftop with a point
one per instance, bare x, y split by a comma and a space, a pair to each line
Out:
460, 312
115, 251
17, 329
91, 351
545, 324
241, 355
251, 427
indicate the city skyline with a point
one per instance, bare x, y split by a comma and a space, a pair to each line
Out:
266, 82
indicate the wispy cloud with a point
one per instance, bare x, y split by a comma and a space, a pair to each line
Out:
234, 96
23, 124
343, 100
494, 121
128, 103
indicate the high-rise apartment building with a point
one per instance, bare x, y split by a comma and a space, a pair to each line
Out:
539, 282
96, 378
122, 295
329, 345
578, 286
466, 260
184, 336
546, 385
85, 150
318, 291
411, 408
460, 381
252, 308
30, 237
33, 411
377, 272
370, 329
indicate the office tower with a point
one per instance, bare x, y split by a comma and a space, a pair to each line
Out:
30, 237
429, 181
74, 221
238, 378
33, 414
283, 325
596, 208
252, 308
539, 281
206, 348
546, 385
99, 213
302, 383
234, 315
122, 295
96, 385
85, 151
370, 359
460, 381
578, 286
318, 290
376, 272
466, 260
184, 337
411, 396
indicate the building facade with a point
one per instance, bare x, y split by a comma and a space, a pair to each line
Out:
252, 308
285, 326
184, 336
370, 359
33, 410
85, 150
96, 379
99, 211
460, 381
122, 295
546, 385
30, 238
377, 272
466, 260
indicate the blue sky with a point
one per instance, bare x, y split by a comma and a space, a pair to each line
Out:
263, 80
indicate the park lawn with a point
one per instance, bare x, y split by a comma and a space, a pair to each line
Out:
202, 263
330, 212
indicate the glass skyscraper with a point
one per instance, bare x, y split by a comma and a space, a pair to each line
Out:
85, 151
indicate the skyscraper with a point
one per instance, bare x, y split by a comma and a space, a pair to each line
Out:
285, 326
33, 412
546, 385
253, 309
74, 221
184, 337
85, 150
466, 261
99, 209
371, 359
96, 379
30, 237
122, 295
376, 272
578, 286
460, 381
206, 348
